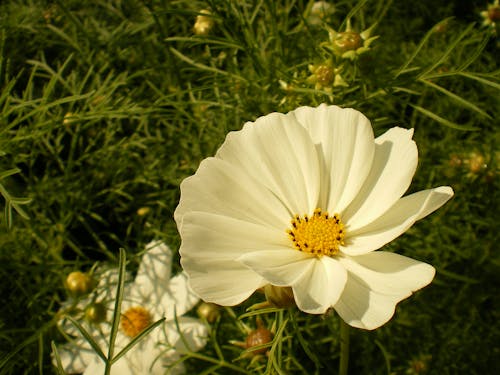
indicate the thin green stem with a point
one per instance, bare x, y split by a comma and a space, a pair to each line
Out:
344, 348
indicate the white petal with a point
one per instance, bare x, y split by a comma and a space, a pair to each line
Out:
227, 284
153, 275
210, 246
321, 286
376, 283
221, 188
194, 332
396, 221
279, 153
345, 141
279, 267
206, 235
75, 357
97, 367
178, 298
394, 165
145, 358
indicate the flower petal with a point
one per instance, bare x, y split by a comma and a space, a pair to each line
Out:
221, 188
394, 165
194, 334
210, 246
396, 221
75, 356
178, 298
279, 153
376, 283
153, 275
345, 141
279, 267
321, 286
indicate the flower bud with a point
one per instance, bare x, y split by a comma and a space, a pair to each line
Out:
279, 296
476, 163
259, 336
325, 75
208, 311
346, 41
320, 12
142, 211
69, 118
78, 283
95, 313
204, 23
494, 13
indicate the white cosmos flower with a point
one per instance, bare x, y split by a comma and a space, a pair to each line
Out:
242, 215
152, 296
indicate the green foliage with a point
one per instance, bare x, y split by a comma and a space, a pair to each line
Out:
106, 106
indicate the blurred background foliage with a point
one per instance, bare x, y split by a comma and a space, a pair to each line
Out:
107, 105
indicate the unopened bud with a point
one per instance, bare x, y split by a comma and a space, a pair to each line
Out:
78, 283
259, 336
143, 211
204, 23
476, 163
347, 41
95, 313
279, 296
209, 311
494, 13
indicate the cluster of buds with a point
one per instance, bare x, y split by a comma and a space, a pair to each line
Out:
325, 76
474, 164
349, 44
80, 285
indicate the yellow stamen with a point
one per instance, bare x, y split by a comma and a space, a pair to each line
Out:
319, 235
135, 320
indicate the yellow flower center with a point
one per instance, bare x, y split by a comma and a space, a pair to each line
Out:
319, 234
135, 320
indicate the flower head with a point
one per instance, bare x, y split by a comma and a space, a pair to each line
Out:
303, 200
349, 44
150, 297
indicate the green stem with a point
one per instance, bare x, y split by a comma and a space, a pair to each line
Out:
344, 348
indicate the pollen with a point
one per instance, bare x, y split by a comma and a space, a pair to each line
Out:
135, 320
319, 234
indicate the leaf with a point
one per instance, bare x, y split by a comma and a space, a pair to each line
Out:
59, 366
419, 47
441, 120
455, 97
89, 338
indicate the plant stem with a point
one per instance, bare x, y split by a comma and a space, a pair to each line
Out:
344, 348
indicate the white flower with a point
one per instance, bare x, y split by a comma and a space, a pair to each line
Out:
152, 296
255, 214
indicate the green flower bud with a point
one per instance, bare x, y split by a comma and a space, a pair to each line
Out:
279, 296
79, 283
95, 313
209, 311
